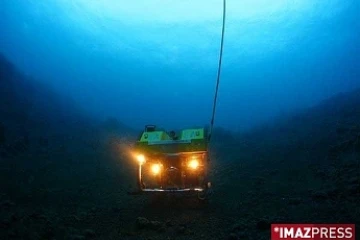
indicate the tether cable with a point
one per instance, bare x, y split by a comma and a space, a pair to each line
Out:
219, 71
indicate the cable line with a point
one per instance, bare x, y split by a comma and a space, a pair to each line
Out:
219, 70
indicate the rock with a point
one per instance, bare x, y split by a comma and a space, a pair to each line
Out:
116, 209
263, 225
77, 237
38, 216
233, 236
181, 230
49, 233
259, 180
294, 201
162, 228
142, 222
2, 134
89, 233
354, 180
74, 217
15, 217
13, 234
242, 235
6, 204
84, 215
273, 172
30, 179
333, 193
353, 189
5, 224
318, 196
168, 223
237, 227
35, 235
156, 225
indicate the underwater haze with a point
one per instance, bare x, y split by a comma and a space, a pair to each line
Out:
156, 61
79, 79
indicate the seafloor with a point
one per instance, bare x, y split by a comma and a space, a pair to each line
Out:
66, 177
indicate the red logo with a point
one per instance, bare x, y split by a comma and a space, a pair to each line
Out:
312, 231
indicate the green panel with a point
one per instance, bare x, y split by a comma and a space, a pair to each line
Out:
154, 136
159, 142
196, 133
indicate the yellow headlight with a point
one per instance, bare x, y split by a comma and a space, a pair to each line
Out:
156, 168
140, 158
193, 164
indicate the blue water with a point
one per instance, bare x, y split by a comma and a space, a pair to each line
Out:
155, 61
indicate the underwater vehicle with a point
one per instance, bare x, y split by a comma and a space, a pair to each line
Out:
172, 161
177, 162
